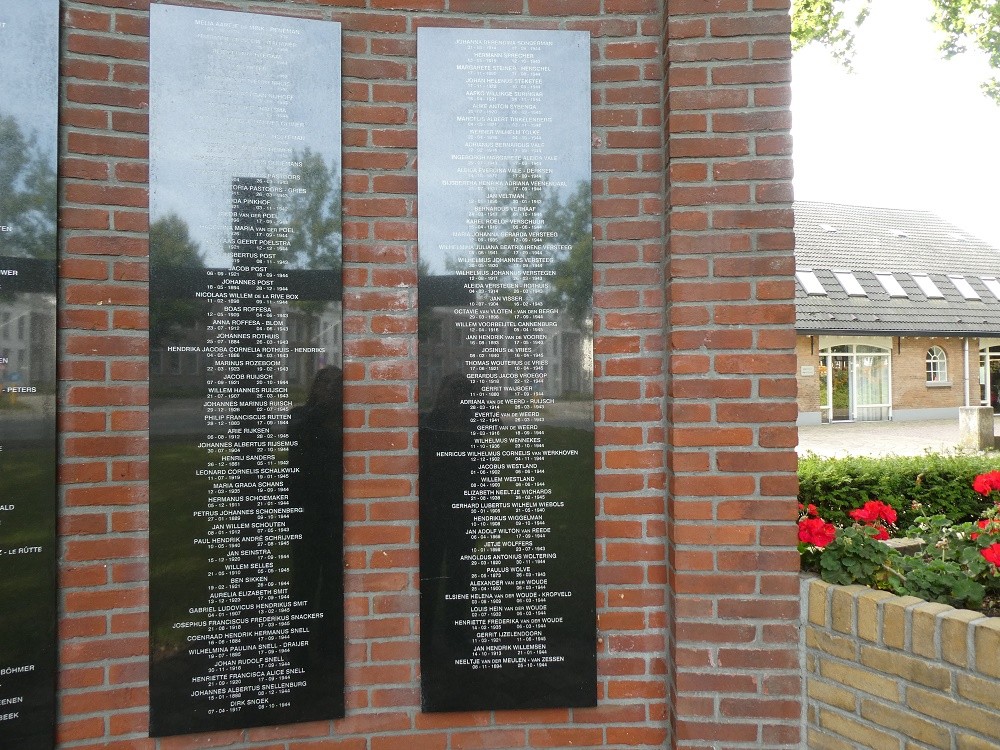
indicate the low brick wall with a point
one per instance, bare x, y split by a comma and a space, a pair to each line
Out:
886, 671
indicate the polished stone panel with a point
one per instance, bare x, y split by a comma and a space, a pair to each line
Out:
246, 446
29, 108
507, 566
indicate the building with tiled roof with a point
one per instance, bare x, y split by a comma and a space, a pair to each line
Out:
898, 315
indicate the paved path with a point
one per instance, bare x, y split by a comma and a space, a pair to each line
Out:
881, 438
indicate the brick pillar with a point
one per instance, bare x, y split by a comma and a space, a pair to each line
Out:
103, 398
731, 377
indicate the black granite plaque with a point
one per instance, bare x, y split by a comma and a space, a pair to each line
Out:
29, 108
246, 447
507, 568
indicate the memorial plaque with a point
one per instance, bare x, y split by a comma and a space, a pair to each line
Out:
507, 566
29, 111
246, 447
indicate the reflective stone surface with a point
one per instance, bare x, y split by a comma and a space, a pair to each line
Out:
29, 49
507, 568
246, 447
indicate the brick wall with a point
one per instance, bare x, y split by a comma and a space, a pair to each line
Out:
898, 672
807, 355
694, 373
909, 374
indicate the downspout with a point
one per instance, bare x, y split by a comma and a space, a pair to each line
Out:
965, 352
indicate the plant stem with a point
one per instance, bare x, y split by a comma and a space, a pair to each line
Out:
894, 572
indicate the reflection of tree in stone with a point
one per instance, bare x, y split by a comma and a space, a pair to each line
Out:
312, 213
171, 250
527, 218
508, 221
428, 324
573, 224
27, 194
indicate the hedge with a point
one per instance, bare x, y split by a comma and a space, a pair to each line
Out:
937, 483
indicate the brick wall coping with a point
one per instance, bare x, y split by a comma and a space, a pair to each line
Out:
882, 670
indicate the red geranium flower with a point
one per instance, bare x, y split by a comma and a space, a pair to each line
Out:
874, 511
989, 525
992, 554
816, 531
986, 483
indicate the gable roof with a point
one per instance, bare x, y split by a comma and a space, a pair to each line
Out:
905, 244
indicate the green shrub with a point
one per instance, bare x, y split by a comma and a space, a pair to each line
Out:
957, 564
915, 486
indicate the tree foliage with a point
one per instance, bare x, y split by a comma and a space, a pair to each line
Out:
826, 22
27, 193
964, 24
314, 214
574, 265
971, 23
171, 250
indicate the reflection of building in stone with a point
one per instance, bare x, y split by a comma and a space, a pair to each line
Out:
566, 352
27, 330
314, 341
569, 352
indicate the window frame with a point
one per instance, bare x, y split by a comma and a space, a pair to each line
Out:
936, 366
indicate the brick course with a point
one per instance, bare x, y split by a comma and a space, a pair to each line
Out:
694, 379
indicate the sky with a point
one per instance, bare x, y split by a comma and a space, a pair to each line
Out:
29, 49
228, 91
443, 97
907, 129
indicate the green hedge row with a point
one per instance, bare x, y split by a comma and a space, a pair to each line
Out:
940, 483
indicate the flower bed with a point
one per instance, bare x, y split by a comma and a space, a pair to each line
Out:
959, 564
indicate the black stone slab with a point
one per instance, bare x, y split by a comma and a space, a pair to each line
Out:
29, 102
246, 446
507, 566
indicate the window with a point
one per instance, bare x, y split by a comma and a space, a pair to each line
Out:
850, 283
890, 284
964, 287
927, 286
809, 282
993, 285
937, 365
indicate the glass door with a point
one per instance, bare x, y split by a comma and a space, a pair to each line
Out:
854, 384
871, 375
842, 392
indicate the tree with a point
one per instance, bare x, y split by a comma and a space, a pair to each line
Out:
27, 194
172, 253
964, 24
508, 221
572, 286
313, 214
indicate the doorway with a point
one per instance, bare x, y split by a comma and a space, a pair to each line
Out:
855, 383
